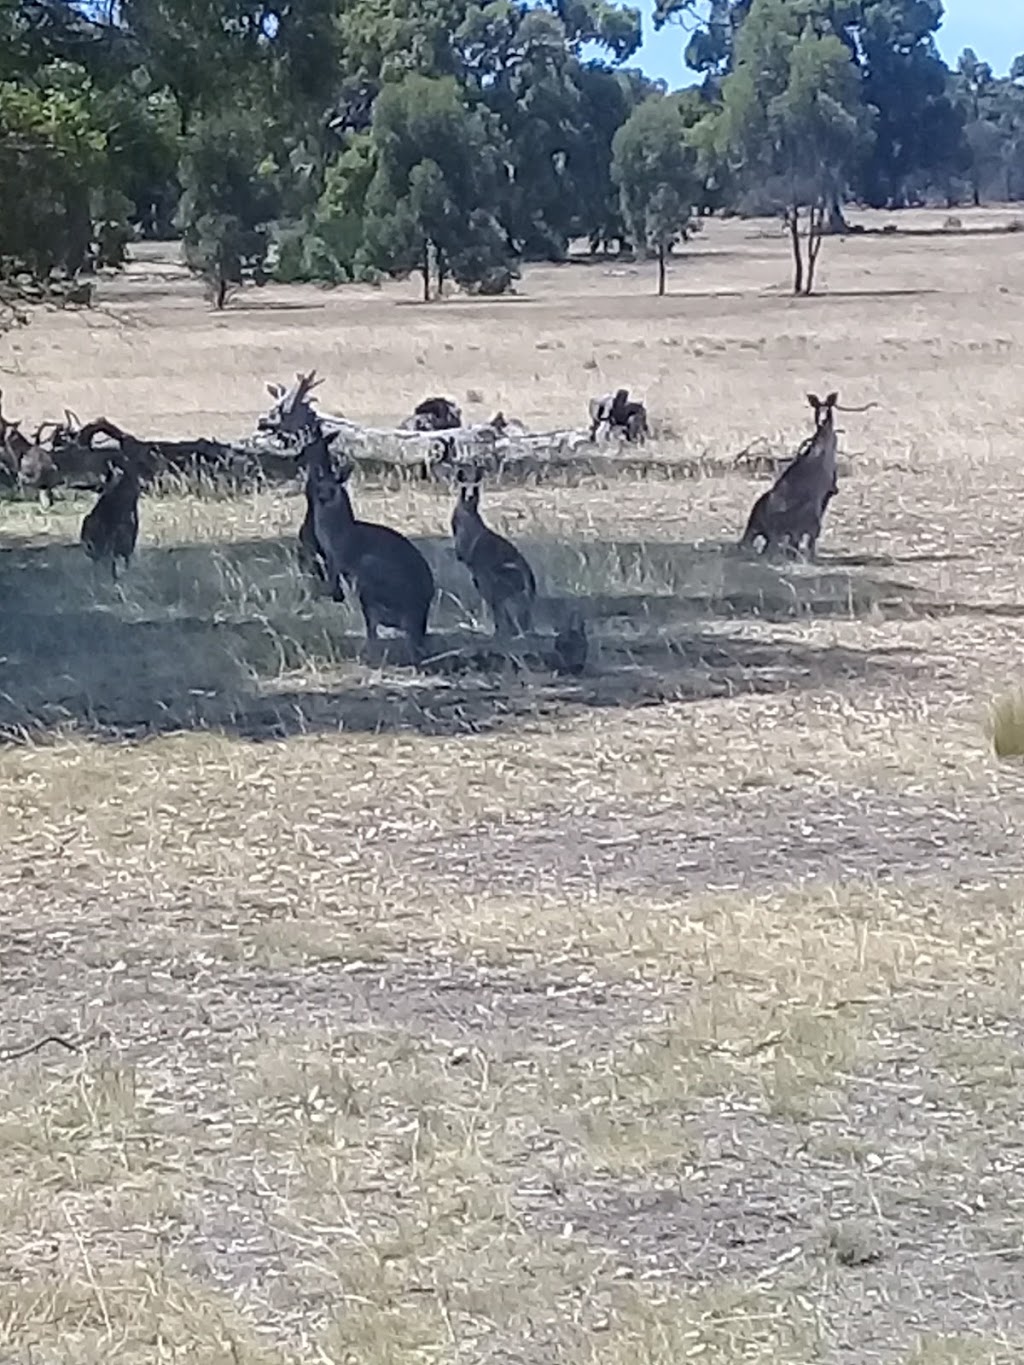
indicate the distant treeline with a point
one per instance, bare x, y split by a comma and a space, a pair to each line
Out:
346, 139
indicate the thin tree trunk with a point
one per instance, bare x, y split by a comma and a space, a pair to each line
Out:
661, 270
836, 218
793, 215
426, 272
815, 237
78, 233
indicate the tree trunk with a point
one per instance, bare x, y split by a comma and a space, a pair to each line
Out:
426, 272
78, 231
184, 113
793, 218
661, 270
837, 223
815, 237
222, 291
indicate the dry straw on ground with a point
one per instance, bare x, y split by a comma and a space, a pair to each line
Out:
668, 1014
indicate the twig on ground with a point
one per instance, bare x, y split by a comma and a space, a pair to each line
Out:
14, 1056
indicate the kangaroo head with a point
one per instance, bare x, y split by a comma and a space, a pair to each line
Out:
328, 488
824, 409
619, 404
469, 489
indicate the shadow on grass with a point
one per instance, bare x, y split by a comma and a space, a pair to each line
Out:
249, 303
890, 561
878, 293
231, 637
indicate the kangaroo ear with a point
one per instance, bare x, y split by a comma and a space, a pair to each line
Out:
831, 400
814, 401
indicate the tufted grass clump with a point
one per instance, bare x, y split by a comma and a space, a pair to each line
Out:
1006, 725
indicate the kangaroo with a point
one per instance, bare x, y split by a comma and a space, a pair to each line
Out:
570, 652
311, 557
13, 445
38, 469
389, 575
617, 413
434, 414
111, 529
792, 510
502, 576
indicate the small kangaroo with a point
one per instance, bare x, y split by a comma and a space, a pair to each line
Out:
502, 576
38, 469
389, 575
111, 529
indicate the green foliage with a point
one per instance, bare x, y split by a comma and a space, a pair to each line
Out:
455, 137
792, 115
142, 153
53, 154
229, 200
918, 131
918, 141
436, 163
655, 168
992, 163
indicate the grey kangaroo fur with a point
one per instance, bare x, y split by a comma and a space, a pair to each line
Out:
501, 573
792, 510
110, 529
391, 579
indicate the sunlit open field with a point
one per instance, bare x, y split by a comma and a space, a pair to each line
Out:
391, 1016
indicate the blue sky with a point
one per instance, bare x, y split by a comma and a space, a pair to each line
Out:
994, 28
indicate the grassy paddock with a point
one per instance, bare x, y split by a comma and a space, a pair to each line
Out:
669, 1013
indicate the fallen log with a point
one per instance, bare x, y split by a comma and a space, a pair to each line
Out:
558, 456
81, 458
429, 454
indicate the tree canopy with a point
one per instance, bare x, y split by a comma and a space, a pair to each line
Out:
457, 138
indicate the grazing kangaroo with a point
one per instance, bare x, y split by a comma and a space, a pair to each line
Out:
111, 529
792, 510
390, 577
617, 413
434, 414
502, 576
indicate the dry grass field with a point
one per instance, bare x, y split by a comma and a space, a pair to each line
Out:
668, 1014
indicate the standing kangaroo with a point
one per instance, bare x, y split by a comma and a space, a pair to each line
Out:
390, 577
111, 529
792, 510
502, 576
